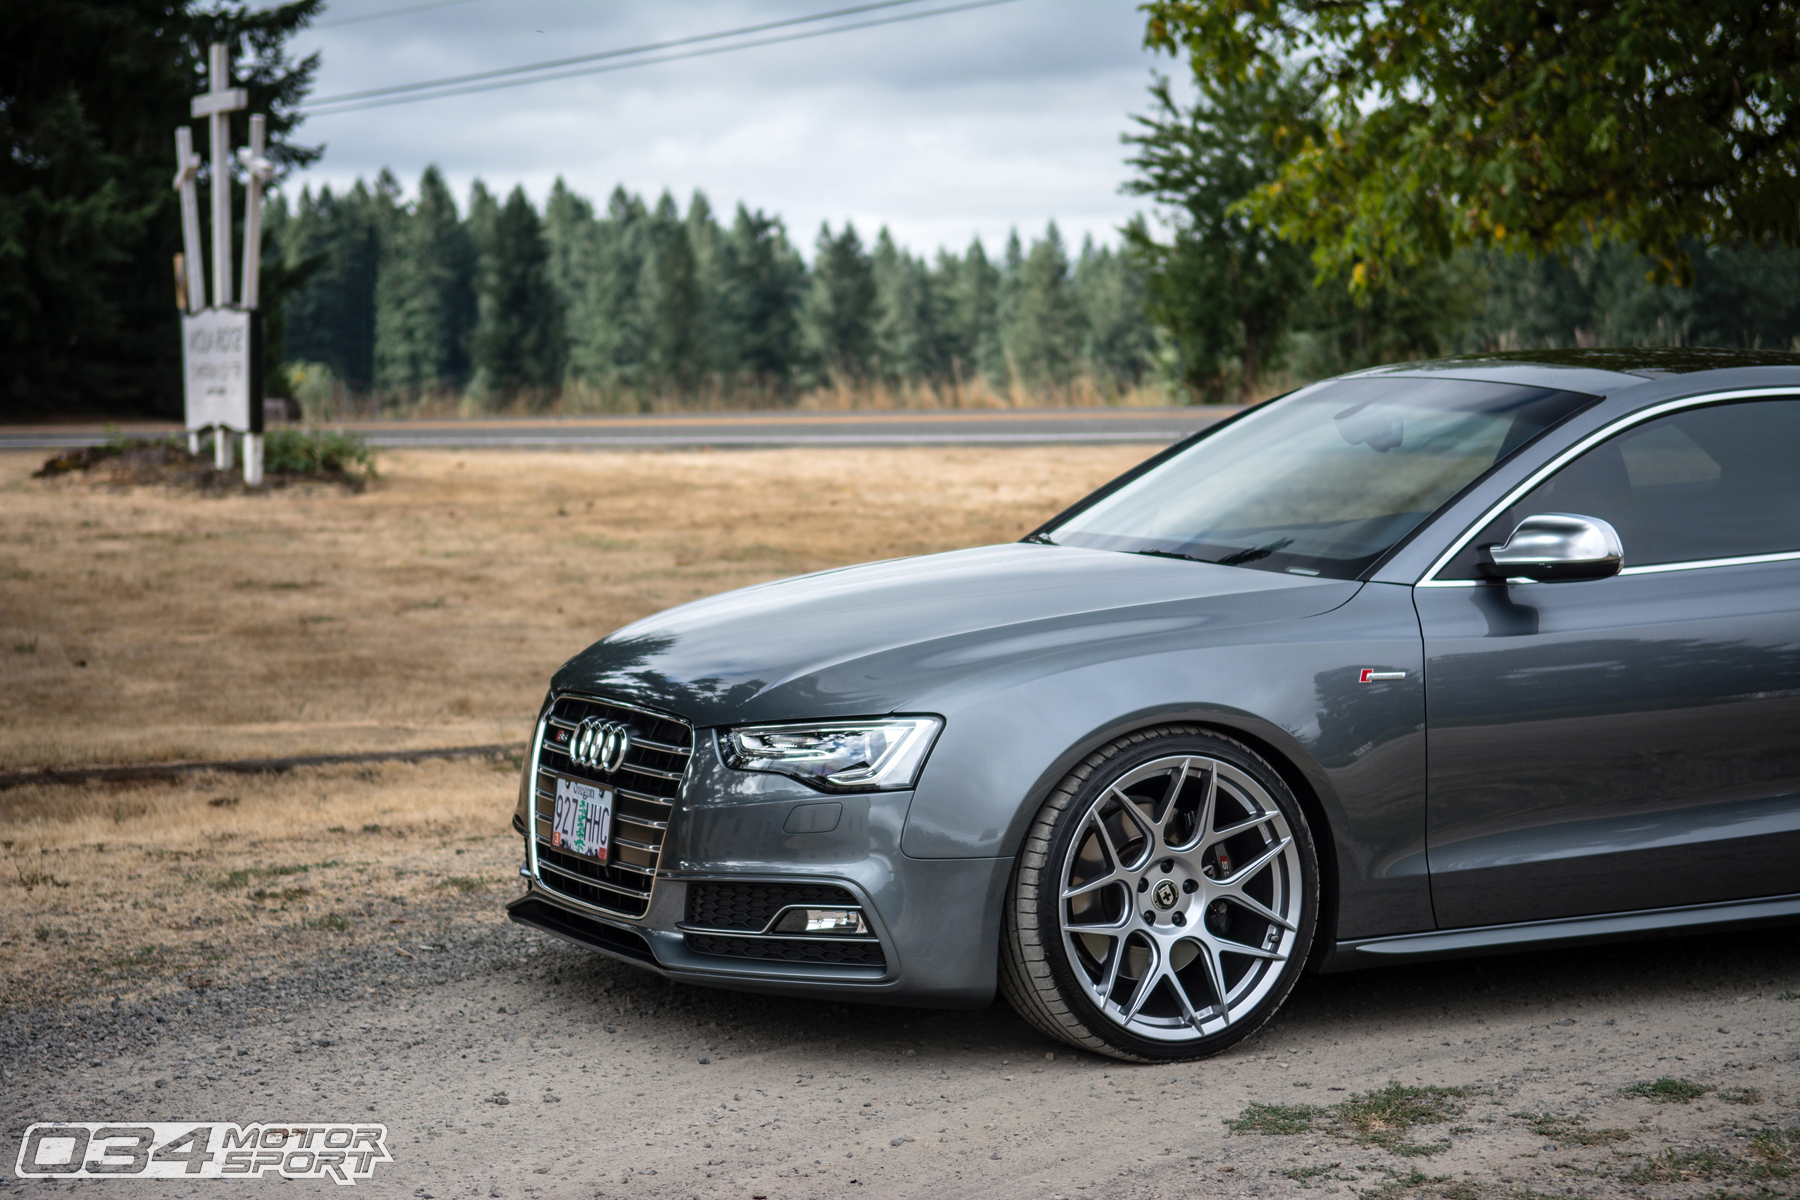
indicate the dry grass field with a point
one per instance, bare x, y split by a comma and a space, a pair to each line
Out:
144, 624
148, 625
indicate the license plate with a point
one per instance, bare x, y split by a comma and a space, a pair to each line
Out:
583, 821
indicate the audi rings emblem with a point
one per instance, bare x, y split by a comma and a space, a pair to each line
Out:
600, 745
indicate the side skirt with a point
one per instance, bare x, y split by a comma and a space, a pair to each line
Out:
1566, 931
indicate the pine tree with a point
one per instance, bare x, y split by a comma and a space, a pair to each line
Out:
674, 305
332, 318
908, 340
425, 296
1118, 344
839, 316
517, 350
1043, 336
760, 280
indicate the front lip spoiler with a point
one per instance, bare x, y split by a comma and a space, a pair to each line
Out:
534, 912
1566, 931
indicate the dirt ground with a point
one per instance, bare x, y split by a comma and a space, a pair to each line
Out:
329, 943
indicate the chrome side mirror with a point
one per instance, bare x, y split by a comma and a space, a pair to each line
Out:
1557, 547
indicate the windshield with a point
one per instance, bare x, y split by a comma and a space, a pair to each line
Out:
1322, 482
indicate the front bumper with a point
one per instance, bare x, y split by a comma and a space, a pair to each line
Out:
937, 921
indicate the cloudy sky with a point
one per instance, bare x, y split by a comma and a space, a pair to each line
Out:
942, 128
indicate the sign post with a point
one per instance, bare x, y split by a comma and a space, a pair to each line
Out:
221, 343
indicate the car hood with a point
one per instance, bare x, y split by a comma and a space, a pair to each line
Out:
910, 634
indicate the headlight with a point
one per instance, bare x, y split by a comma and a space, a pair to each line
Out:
836, 755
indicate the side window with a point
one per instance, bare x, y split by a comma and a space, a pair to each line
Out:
1716, 482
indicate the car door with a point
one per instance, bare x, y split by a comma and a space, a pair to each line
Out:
1630, 742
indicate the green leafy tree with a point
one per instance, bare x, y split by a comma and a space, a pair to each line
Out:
1222, 284
90, 94
839, 317
517, 350
425, 296
1529, 125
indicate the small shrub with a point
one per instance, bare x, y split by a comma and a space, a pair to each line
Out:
317, 452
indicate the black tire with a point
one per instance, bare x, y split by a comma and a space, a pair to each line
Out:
1151, 901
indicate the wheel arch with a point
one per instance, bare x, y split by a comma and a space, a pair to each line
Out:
1302, 774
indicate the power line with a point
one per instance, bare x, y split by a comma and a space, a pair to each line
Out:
450, 80
389, 12
645, 62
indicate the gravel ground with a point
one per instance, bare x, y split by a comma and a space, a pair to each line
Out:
507, 1064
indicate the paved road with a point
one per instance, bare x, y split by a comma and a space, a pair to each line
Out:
1014, 427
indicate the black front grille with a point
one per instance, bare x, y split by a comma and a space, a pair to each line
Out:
644, 789
843, 952
751, 906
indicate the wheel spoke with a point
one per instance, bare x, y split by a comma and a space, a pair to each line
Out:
1181, 997
1102, 927
1231, 831
1236, 878
1093, 885
1215, 975
1227, 946
1262, 910
1153, 973
1129, 809
1112, 969
1172, 793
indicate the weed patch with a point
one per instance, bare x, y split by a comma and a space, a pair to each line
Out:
330, 921
285, 894
1741, 1095
1676, 1166
1669, 1090
463, 884
1569, 1131
241, 877
1383, 1118
1276, 1119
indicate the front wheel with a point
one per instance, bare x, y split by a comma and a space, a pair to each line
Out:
1164, 902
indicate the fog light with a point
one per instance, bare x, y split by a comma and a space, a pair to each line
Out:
822, 920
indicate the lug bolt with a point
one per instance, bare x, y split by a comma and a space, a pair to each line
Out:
1168, 865
1149, 917
1190, 887
1179, 919
1143, 885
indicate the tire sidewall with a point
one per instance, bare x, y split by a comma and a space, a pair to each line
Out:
1068, 823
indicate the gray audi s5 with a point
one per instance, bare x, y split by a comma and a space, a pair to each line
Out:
1452, 658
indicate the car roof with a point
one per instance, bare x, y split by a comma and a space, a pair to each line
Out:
1599, 371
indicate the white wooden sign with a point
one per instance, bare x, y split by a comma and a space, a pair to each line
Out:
218, 361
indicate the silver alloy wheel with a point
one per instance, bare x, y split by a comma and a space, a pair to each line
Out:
1181, 898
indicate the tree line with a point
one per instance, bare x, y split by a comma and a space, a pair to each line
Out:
634, 303
1249, 303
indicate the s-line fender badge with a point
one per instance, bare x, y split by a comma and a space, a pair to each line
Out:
1371, 675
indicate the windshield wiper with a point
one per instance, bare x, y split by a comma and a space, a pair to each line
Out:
1042, 539
1172, 554
1255, 552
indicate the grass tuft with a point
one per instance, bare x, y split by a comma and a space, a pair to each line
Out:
1276, 1119
1669, 1090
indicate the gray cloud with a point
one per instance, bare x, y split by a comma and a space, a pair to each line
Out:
941, 129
